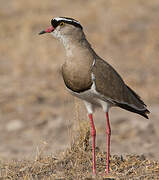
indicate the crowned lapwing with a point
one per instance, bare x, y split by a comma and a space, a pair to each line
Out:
90, 78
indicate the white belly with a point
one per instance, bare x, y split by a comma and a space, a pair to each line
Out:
93, 100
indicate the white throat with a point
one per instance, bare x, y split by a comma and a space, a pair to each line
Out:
65, 41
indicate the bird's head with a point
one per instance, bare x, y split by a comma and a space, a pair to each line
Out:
64, 27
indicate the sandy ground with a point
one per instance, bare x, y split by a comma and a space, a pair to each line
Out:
36, 109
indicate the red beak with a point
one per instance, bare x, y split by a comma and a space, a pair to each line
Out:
48, 30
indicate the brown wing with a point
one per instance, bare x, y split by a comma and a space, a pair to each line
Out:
111, 86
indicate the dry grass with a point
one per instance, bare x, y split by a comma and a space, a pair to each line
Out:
76, 163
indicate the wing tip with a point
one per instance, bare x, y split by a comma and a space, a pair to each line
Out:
145, 113
142, 112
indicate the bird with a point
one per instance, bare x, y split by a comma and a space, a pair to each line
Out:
90, 78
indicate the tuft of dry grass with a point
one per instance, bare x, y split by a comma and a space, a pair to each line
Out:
76, 163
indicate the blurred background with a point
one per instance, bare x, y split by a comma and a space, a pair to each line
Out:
35, 108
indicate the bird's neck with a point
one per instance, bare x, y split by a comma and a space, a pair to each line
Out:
69, 45
74, 45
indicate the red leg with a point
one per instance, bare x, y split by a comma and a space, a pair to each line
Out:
108, 141
93, 133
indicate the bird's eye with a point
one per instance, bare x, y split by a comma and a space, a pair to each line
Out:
62, 23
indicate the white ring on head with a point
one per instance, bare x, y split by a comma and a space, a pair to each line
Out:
66, 19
